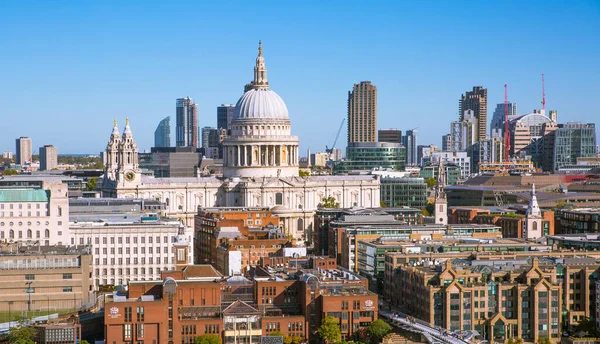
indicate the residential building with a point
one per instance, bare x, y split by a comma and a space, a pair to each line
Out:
389, 135
460, 159
236, 309
319, 159
35, 214
166, 162
186, 130
24, 150
370, 155
7, 155
574, 140
410, 143
44, 278
162, 134
48, 157
463, 132
476, 100
225, 116
497, 123
362, 113
403, 192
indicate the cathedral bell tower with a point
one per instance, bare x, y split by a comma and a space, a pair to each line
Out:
112, 154
128, 172
441, 203
533, 226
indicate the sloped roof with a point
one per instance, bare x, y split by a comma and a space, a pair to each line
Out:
240, 308
12, 195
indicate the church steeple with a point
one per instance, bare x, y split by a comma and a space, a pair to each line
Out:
441, 203
260, 70
533, 210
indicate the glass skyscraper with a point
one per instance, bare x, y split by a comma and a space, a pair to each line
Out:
370, 155
574, 140
162, 134
186, 132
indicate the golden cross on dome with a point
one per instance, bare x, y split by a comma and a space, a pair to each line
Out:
115, 122
259, 48
126, 120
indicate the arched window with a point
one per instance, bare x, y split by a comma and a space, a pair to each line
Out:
535, 226
11, 234
29, 233
300, 225
46, 233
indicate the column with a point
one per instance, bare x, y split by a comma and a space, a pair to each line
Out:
273, 155
267, 156
237, 151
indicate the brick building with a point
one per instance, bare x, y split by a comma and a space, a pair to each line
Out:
199, 300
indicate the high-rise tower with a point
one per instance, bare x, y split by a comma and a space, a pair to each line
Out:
187, 123
225, 116
23, 147
476, 100
48, 157
410, 143
362, 113
162, 134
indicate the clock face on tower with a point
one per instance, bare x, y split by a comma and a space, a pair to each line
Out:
130, 176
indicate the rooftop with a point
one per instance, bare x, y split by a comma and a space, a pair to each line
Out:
35, 248
23, 195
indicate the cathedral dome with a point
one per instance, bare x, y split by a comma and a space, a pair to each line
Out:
260, 103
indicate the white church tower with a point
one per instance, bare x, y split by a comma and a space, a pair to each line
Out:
441, 203
112, 153
534, 226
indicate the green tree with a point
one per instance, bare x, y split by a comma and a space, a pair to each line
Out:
304, 173
544, 340
91, 184
292, 340
586, 325
519, 341
10, 172
84, 342
329, 202
22, 333
510, 341
428, 210
377, 330
431, 182
207, 339
382, 204
329, 330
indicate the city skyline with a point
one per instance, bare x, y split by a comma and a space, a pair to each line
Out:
110, 74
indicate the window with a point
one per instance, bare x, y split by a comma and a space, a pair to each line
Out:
67, 276
140, 330
127, 331
140, 314
67, 289
29, 277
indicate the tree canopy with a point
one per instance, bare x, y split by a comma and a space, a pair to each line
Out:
304, 173
10, 172
207, 339
91, 184
377, 330
431, 182
22, 333
329, 202
329, 330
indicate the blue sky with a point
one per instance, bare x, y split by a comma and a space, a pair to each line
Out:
67, 69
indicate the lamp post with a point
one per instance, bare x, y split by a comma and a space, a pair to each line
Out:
9, 313
28, 291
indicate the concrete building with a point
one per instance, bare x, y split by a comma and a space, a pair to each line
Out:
362, 113
35, 214
260, 169
225, 116
7, 155
447, 142
424, 153
389, 135
162, 134
48, 158
186, 130
463, 132
24, 150
574, 140
476, 100
165, 162
237, 309
369, 155
44, 278
410, 144
319, 159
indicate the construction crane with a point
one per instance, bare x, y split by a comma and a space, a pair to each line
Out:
543, 97
506, 132
330, 150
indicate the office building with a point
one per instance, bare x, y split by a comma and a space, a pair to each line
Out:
476, 100
48, 158
366, 156
424, 153
237, 309
453, 172
225, 116
410, 143
574, 140
403, 192
497, 123
362, 113
23, 148
212, 142
186, 131
446, 142
162, 134
528, 136
319, 159
389, 135
578, 220
53, 278
460, 159
463, 133
166, 162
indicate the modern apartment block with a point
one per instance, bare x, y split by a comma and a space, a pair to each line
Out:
574, 140
162, 134
48, 157
476, 100
24, 150
198, 300
362, 113
186, 131
44, 278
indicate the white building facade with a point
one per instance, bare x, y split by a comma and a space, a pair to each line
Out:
261, 160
